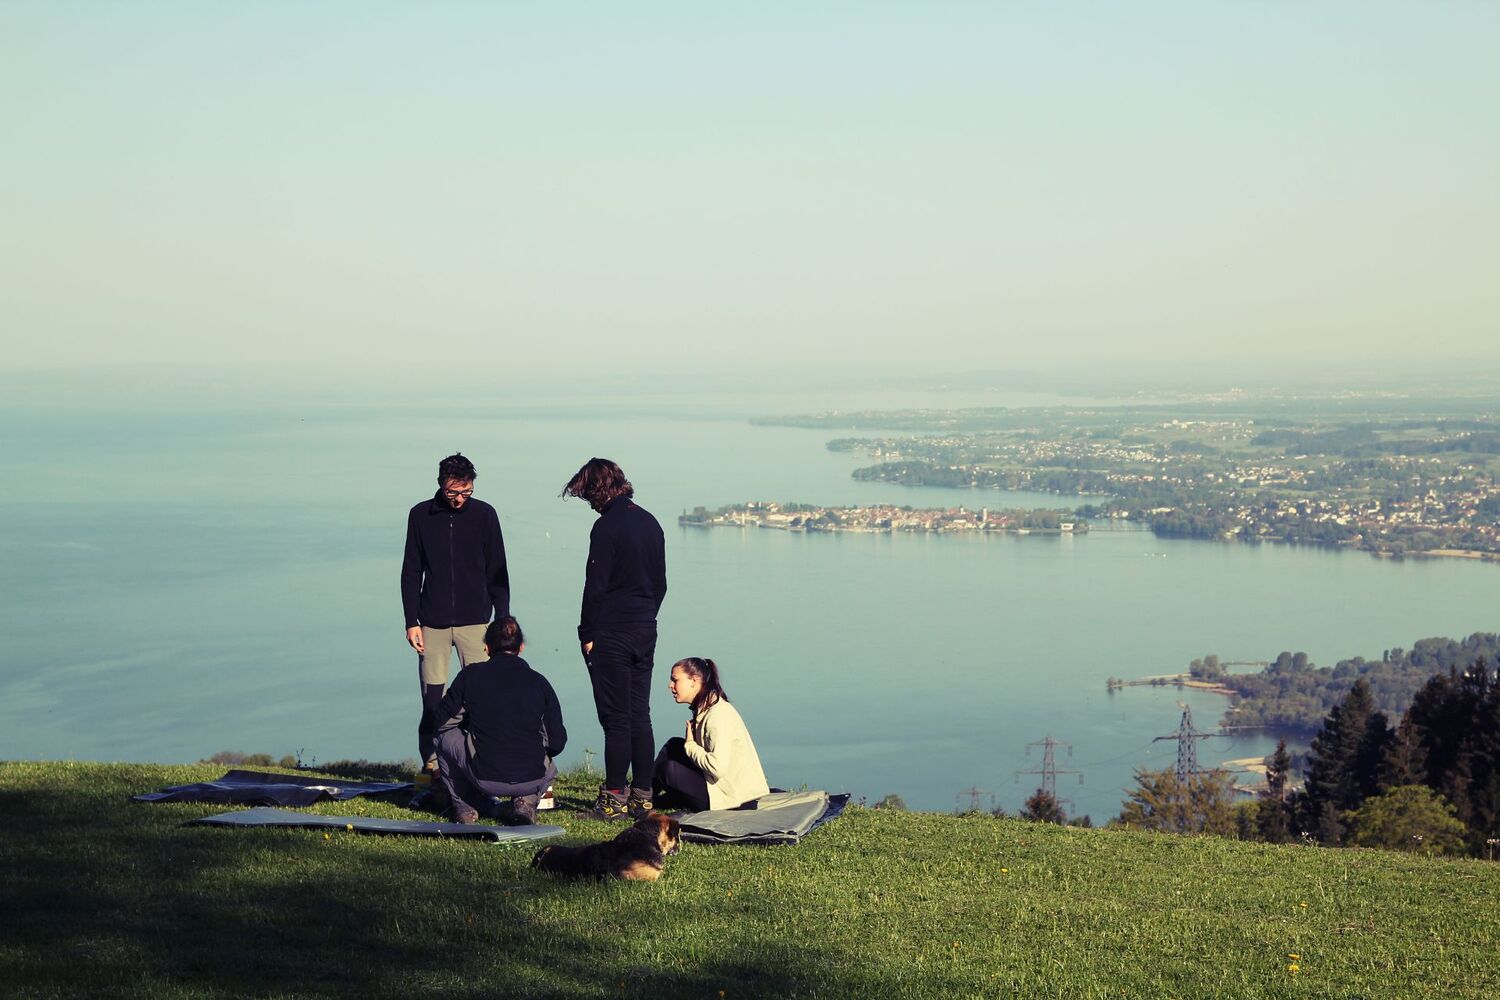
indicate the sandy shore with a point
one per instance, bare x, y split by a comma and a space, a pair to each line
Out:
1255, 764
1443, 554
1180, 680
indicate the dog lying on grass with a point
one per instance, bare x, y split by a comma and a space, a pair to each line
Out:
637, 854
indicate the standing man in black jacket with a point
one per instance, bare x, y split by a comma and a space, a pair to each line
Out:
452, 579
623, 588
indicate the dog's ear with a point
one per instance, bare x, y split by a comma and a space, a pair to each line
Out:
667, 830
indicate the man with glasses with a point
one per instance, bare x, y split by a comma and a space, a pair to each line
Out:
453, 579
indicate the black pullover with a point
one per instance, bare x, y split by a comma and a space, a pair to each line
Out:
626, 578
454, 571
503, 704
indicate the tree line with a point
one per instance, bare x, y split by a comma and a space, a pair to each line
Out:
1428, 783
1292, 693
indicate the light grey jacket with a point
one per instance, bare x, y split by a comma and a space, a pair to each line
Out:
722, 749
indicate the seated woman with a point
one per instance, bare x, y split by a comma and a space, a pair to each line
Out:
500, 727
715, 765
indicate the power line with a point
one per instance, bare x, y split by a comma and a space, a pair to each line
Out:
1110, 760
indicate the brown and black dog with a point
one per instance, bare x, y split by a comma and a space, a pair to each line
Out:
637, 854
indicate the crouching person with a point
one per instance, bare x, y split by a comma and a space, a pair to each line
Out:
500, 728
714, 764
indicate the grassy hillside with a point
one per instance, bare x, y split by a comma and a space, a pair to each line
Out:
104, 897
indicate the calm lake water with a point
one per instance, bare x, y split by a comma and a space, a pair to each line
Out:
178, 583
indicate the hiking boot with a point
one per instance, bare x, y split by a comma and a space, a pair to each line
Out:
429, 796
547, 801
639, 803
464, 813
609, 806
522, 810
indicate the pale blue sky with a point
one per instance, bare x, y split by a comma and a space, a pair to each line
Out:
634, 185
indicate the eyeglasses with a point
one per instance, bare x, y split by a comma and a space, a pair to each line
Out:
455, 494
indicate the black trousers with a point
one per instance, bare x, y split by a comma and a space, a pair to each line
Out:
678, 783
620, 669
432, 697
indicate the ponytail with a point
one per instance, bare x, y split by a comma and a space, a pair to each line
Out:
705, 671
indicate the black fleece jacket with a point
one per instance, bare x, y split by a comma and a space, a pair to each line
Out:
454, 571
626, 578
503, 705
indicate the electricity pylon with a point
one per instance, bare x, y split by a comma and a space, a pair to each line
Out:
1187, 738
1049, 769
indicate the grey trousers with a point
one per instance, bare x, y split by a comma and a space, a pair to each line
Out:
432, 674
456, 772
433, 664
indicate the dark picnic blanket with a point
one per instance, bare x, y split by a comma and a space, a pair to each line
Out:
262, 788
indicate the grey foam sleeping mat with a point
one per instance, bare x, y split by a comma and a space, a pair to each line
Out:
266, 816
777, 818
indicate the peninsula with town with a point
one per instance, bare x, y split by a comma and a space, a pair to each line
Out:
1392, 476
883, 518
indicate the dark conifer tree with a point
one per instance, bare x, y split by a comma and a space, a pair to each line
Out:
1435, 719
1467, 783
1370, 754
1485, 792
1273, 817
1344, 763
1456, 786
1406, 761
1460, 745
1043, 808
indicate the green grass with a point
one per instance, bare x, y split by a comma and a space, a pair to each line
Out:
104, 897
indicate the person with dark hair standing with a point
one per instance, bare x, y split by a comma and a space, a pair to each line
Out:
453, 578
623, 587
500, 730
713, 765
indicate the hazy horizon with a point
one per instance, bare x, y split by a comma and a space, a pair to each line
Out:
110, 392
598, 193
